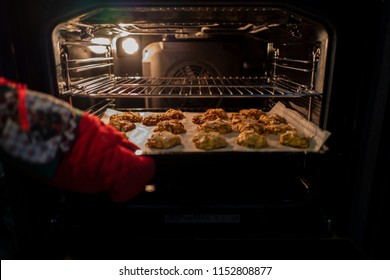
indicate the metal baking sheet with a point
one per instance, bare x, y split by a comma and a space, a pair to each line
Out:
141, 133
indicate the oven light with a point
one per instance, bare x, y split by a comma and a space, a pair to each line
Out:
150, 188
99, 41
130, 45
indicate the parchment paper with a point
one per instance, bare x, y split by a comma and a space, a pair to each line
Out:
141, 133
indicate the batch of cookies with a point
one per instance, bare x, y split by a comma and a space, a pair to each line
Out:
212, 126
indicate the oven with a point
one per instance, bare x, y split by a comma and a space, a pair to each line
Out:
297, 58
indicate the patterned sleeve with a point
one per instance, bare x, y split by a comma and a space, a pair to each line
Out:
35, 127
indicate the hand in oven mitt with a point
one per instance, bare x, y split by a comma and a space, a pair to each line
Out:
66, 147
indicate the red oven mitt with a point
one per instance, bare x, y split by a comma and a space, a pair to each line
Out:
102, 159
66, 147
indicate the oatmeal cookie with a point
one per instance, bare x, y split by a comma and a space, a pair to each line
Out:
121, 124
217, 125
251, 139
173, 125
154, 119
210, 115
250, 124
163, 140
252, 113
293, 139
236, 118
127, 116
278, 128
272, 119
174, 114
209, 140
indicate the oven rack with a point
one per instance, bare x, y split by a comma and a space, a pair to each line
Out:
197, 87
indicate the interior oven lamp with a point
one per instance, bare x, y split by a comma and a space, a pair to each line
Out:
130, 45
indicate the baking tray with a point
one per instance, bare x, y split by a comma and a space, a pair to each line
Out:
141, 133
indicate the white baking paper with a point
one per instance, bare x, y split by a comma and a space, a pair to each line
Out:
141, 133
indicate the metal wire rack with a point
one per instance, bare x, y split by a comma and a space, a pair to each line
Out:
110, 86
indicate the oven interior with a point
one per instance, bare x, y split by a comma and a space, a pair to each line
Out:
194, 57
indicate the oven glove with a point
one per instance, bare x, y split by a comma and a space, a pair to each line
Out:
50, 140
